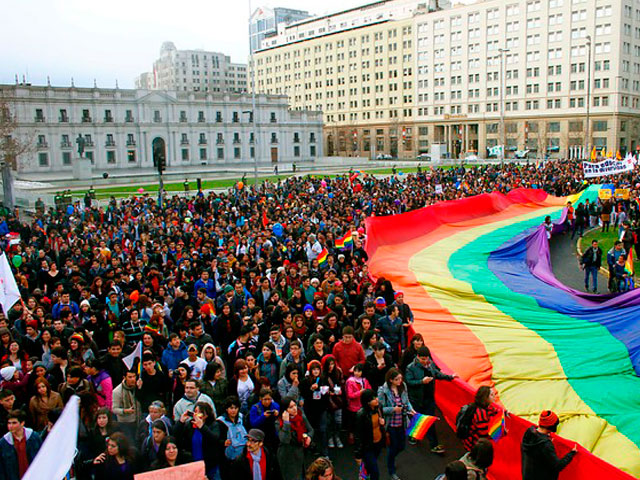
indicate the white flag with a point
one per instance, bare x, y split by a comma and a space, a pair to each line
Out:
131, 358
9, 293
56, 454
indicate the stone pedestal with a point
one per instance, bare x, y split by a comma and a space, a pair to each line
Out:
82, 169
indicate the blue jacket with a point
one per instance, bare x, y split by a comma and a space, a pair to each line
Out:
210, 286
171, 358
391, 331
385, 397
57, 308
9, 458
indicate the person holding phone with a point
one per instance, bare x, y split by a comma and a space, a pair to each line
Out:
116, 461
295, 434
263, 416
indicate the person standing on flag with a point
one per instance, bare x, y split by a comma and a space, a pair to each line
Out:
421, 375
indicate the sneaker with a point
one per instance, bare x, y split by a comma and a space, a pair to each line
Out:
413, 441
330, 443
395, 477
439, 449
338, 442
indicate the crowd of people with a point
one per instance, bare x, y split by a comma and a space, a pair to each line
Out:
252, 342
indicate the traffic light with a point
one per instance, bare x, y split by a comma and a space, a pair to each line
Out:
159, 155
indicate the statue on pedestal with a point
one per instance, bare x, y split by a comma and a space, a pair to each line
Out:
81, 142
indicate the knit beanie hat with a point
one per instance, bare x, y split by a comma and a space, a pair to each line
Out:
7, 373
77, 337
548, 419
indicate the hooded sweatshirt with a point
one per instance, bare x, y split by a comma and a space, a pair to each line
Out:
539, 458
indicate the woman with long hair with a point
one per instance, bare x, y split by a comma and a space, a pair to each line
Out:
409, 354
16, 356
116, 461
397, 409
215, 385
369, 430
42, 403
242, 384
169, 455
485, 410
295, 434
321, 469
335, 378
151, 445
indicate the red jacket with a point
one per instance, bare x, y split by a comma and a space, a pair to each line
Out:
348, 355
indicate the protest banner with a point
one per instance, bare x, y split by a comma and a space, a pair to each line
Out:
606, 167
188, 471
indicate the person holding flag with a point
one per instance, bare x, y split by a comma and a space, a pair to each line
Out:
421, 375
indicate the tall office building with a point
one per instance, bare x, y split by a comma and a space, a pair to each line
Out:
194, 70
265, 22
398, 76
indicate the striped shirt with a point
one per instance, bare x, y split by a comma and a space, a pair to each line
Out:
396, 418
480, 425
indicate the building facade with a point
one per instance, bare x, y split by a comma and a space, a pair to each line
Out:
194, 71
119, 127
265, 22
519, 73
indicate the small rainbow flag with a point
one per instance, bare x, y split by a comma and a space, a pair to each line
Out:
420, 425
345, 242
497, 427
322, 256
629, 263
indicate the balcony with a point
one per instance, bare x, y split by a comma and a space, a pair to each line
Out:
184, 141
236, 141
108, 119
183, 119
43, 144
131, 143
110, 143
89, 144
86, 120
220, 141
64, 144
128, 119
201, 120
202, 141
296, 139
218, 119
39, 119
63, 119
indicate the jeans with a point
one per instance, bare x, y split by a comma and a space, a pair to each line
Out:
397, 439
591, 272
370, 460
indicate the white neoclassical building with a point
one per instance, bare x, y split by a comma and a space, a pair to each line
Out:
119, 127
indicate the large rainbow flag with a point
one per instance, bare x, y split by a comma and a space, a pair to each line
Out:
478, 277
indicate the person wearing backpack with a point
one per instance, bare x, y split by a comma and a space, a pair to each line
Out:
539, 458
420, 376
485, 410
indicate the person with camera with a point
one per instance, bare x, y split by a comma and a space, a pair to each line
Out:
263, 416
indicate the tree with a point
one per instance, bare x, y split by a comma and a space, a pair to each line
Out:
12, 146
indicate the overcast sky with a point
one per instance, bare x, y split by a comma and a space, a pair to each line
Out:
119, 39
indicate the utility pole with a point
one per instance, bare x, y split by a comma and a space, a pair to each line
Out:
502, 129
254, 112
587, 142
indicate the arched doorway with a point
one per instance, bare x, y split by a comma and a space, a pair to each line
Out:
159, 152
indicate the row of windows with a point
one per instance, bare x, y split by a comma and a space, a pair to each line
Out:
157, 116
203, 154
65, 140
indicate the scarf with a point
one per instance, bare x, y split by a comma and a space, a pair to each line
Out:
298, 426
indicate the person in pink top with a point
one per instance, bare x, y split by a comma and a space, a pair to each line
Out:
354, 386
102, 384
348, 352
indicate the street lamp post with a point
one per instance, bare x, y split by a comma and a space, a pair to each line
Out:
254, 112
502, 130
587, 143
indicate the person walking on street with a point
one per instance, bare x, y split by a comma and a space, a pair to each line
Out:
539, 458
369, 433
591, 261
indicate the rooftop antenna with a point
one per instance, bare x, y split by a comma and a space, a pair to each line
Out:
17, 81
72, 85
117, 84
48, 81
95, 85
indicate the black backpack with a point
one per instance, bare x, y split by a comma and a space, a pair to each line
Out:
464, 419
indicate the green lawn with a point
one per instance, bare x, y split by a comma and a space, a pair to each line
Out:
605, 240
125, 190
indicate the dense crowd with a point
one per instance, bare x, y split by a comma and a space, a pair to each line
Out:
257, 345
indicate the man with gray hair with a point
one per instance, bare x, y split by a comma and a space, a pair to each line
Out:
312, 248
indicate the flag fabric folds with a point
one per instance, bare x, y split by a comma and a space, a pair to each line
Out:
344, 242
420, 425
130, 359
322, 256
497, 428
9, 293
56, 454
